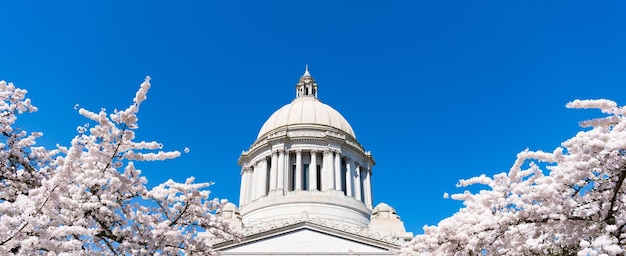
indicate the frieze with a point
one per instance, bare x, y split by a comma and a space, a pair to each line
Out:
277, 134
354, 144
335, 134
302, 133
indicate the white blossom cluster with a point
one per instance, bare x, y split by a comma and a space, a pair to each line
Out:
89, 199
568, 202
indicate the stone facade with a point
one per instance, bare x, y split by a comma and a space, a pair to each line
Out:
306, 187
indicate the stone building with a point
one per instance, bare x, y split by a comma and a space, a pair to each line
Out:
306, 187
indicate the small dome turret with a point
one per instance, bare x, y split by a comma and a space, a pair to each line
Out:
230, 214
385, 220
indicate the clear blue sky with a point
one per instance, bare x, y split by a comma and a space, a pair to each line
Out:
436, 90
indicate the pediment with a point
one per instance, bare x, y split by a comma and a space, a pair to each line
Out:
306, 239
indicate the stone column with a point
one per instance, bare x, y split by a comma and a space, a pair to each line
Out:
349, 178
368, 188
337, 171
243, 188
248, 194
328, 170
260, 180
313, 171
357, 182
280, 180
298, 173
273, 171
254, 177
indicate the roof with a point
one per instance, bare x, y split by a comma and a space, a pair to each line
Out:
306, 238
306, 110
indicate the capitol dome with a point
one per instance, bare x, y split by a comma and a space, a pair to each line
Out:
306, 187
306, 161
306, 111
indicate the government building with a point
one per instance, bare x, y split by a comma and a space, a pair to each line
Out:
306, 187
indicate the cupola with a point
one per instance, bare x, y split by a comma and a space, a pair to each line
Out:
306, 87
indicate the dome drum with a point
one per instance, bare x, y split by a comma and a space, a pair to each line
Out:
320, 138
323, 205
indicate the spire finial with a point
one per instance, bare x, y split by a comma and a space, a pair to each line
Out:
306, 70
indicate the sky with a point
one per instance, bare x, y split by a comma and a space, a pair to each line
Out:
437, 90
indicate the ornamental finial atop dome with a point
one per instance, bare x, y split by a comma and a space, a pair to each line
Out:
306, 70
307, 85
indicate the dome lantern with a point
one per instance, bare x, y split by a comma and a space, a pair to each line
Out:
306, 86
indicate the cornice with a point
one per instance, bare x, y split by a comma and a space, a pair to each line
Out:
355, 233
296, 134
308, 197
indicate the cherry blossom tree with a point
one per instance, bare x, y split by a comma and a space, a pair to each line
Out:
567, 202
88, 198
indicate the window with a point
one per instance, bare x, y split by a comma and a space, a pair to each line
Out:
292, 178
343, 177
319, 177
361, 178
267, 176
305, 177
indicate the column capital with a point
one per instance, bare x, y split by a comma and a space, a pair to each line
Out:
298, 150
313, 151
332, 150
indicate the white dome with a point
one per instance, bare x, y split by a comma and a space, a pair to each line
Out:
306, 110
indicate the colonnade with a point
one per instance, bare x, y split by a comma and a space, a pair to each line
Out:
306, 170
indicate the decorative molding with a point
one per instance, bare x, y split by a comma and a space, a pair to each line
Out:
276, 135
308, 133
335, 134
264, 226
